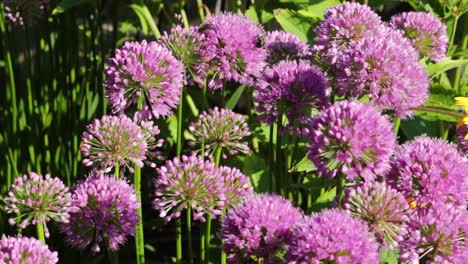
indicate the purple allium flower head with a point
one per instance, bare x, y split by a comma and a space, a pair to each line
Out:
258, 228
146, 74
36, 199
282, 45
343, 25
462, 137
187, 45
384, 209
426, 32
21, 12
113, 140
438, 235
104, 211
332, 236
236, 186
343, 141
385, 67
427, 170
296, 89
221, 128
25, 250
233, 49
188, 183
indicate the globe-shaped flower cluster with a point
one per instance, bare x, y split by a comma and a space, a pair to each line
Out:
25, 250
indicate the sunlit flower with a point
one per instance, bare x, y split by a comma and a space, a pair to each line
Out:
426, 32
36, 199
25, 250
144, 74
282, 45
104, 210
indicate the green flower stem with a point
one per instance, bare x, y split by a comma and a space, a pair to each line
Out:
279, 158
202, 245
271, 158
40, 233
113, 256
179, 153
139, 239
185, 21
189, 235
438, 110
458, 73
223, 254
117, 170
202, 153
201, 12
217, 160
396, 122
454, 31
340, 188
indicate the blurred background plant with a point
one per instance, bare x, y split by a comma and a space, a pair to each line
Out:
52, 59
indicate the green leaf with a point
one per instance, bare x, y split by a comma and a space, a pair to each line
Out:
304, 165
232, 102
388, 256
296, 23
253, 15
442, 99
138, 10
256, 169
443, 66
317, 10
418, 126
68, 4
192, 105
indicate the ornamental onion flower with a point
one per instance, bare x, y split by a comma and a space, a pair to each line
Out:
296, 89
385, 67
343, 25
257, 229
236, 186
282, 45
111, 141
332, 236
21, 12
145, 74
36, 199
187, 46
427, 170
25, 250
188, 183
384, 209
104, 211
221, 129
438, 235
342, 141
426, 32
233, 49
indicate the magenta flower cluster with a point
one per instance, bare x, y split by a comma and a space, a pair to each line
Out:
438, 235
104, 211
343, 141
332, 236
385, 67
36, 199
295, 89
258, 228
223, 130
144, 77
233, 49
429, 171
194, 184
114, 140
384, 209
25, 250
25, 12
281, 45
427, 33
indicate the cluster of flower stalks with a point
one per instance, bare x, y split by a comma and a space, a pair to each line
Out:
341, 98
